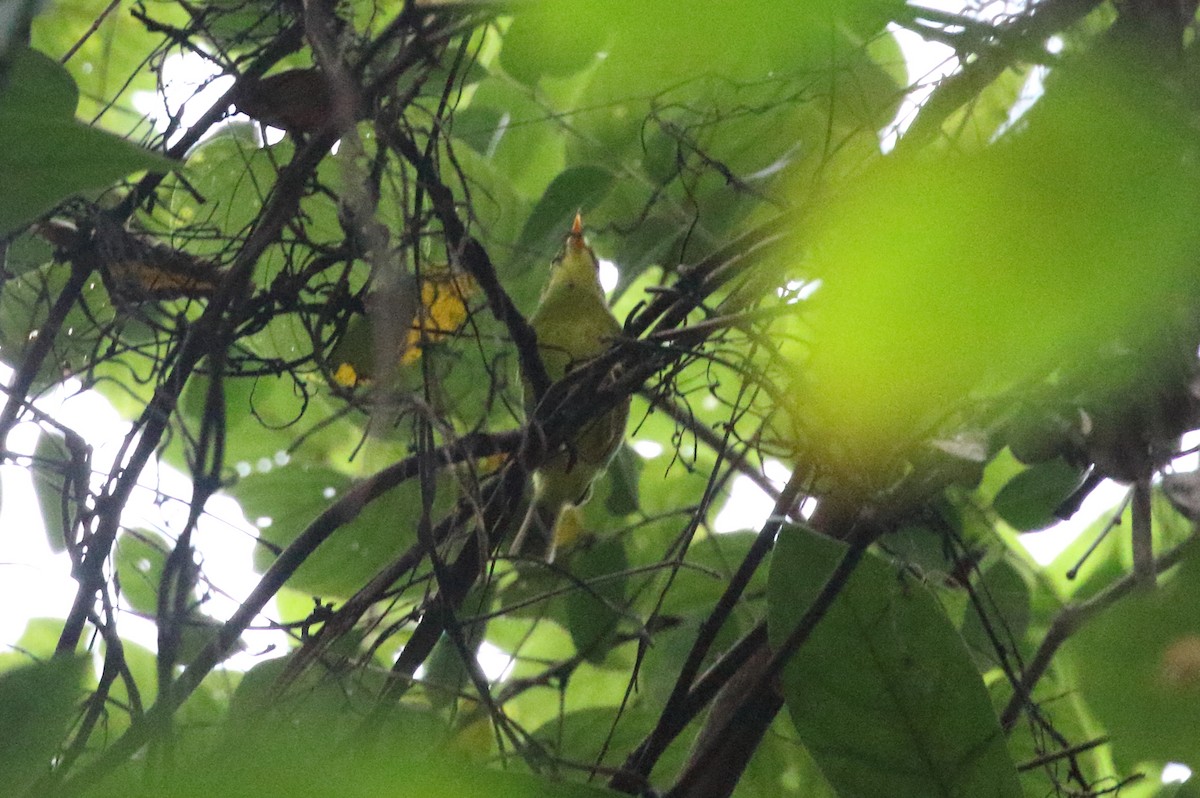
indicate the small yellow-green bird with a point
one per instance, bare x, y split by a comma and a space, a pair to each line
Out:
573, 325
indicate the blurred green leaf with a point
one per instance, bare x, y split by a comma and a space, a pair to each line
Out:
110, 47
48, 160
35, 81
258, 756
910, 717
1139, 670
37, 642
536, 44
527, 151
45, 155
933, 301
477, 127
977, 123
37, 704
49, 485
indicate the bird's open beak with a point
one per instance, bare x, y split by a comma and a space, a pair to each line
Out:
575, 240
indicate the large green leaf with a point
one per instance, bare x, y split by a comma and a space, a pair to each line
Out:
1139, 671
35, 81
45, 155
936, 299
525, 148
529, 52
577, 189
884, 693
46, 160
283, 501
256, 755
37, 704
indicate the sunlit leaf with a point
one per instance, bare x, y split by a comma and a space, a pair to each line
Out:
932, 302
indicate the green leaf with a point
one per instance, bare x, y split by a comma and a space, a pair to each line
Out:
45, 155
883, 694
38, 641
45, 160
51, 458
266, 415
709, 563
27, 252
37, 704
35, 81
285, 500
536, 45
477, 127
619, 485
446, 674
596, 605
141, 555
577, 189
581, 735
1006, 601
781, 766
1139, 671
976, 123
255, 754
1028, 500
25, 304
237, 23
527, 151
